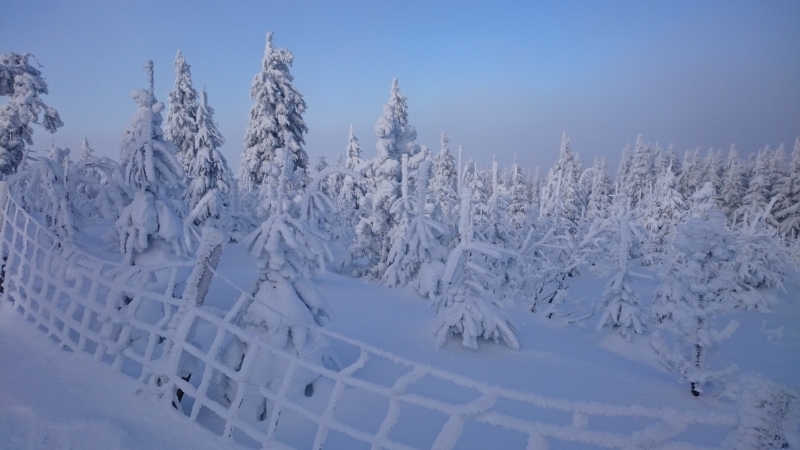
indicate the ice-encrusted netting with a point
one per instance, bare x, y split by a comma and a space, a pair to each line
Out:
149, 323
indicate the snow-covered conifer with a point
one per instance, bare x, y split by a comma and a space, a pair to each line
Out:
639, 176
465, 307
86, 151
732, 189
518, 206
416, 237
42, 187
559, 196
665, 210
787, 207
599, 202
351, 196
712, 169
154, 178
759, 260
395, 138
620, 301
697, 283
22, 84
210, 177
444, 183
276, 122
286, 305
759, 187
182, 124
621, 182
692, 174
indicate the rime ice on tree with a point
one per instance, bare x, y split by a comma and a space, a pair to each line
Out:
276, 122
182, 124
208, 192
152, 221
23, 84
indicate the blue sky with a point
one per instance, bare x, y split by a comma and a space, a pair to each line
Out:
504, 78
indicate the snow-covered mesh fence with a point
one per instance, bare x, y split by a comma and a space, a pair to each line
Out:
146, 323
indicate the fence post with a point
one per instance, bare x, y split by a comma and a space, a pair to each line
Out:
172, 365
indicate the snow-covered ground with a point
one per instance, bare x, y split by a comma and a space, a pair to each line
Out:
50, 398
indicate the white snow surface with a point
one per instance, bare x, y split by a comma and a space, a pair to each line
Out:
50, 398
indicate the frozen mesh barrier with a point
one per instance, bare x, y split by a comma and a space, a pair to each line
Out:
146, 323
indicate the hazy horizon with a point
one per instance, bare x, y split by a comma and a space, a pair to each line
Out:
501, 79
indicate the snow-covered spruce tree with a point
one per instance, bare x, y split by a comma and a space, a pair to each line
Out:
621, 182
86, 150
639, 176
759, 260
666, 208
465, 307
152, 221
787, 191
620, 304
712, 169
210, 178
696, 286
41, 186
22, 84
182, 121
395, 138
444, 183
276, 122
416, 245
692, 174
518, 206
286, 306
759, 187
351, 195
732, 189
559, 196
598, 205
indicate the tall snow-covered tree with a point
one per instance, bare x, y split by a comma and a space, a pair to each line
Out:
276, 122
444, 183
787, 207
182, 124
697, 284
712, 169
395, 138
210, 177
639, 176
759, 188
23, 84
152, 221
665, 209
599, 202
692, 174
559, 196
519, 205
732, 189
621, 182
351, 196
